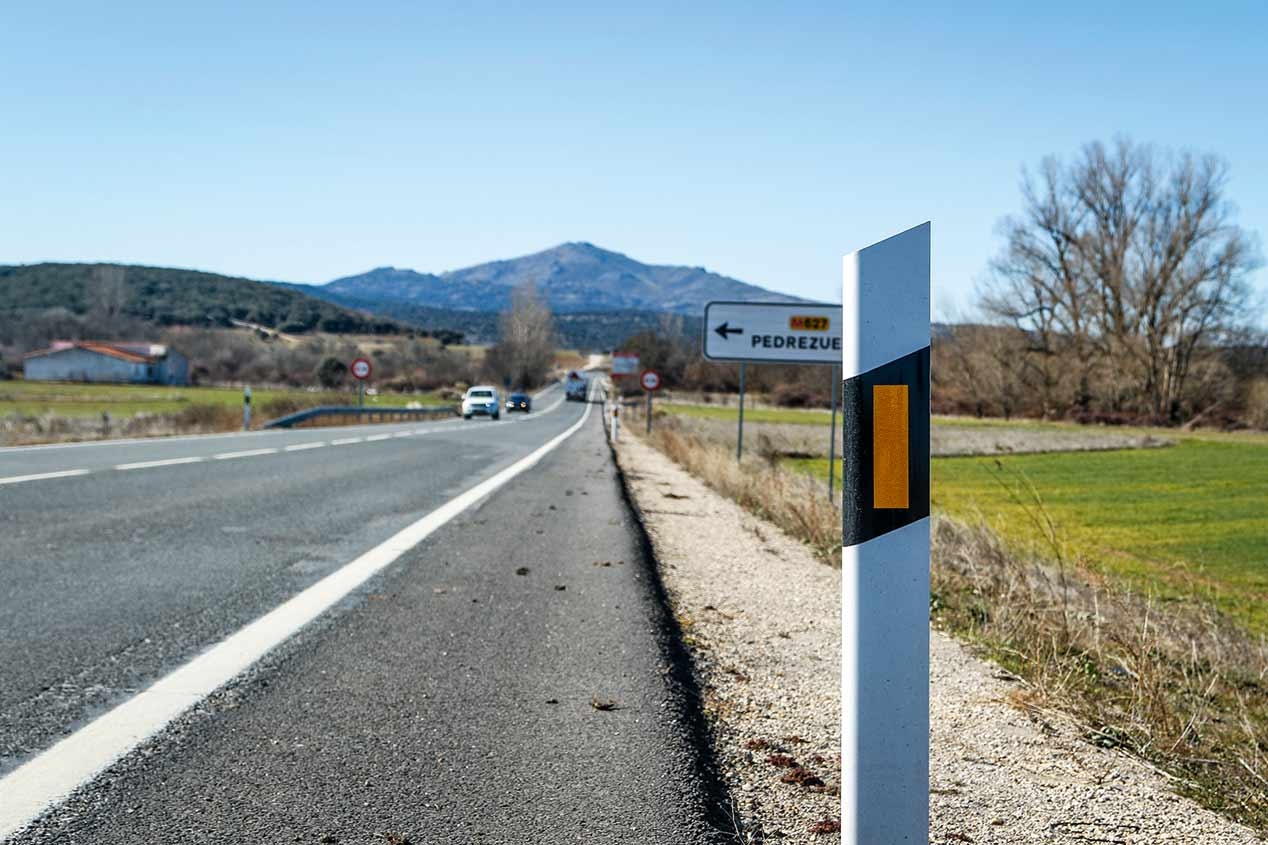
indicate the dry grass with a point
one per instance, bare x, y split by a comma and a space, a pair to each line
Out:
792, 500
1170, 679
1175, 683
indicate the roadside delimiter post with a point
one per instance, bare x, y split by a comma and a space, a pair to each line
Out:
885, 543
246, 408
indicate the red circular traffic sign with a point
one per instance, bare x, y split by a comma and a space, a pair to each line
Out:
650, 379
361, 368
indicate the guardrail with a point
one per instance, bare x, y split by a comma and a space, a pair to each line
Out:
363, 414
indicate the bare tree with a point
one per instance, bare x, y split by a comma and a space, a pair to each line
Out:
1125, 262
525, 351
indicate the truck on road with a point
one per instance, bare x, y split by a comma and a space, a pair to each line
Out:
575, 386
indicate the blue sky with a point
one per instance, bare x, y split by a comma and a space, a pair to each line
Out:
305, 141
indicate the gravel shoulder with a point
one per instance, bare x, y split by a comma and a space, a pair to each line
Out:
762, 619
770, 668
954, 440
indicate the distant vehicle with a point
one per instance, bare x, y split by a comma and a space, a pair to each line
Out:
519, 402
575, 386
482, 400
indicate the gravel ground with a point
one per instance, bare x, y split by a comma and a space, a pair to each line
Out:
770, 671
807, 441
947, 440
1001, 775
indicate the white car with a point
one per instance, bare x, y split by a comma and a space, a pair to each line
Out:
481, 399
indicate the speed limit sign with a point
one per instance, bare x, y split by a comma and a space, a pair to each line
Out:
650, 379
361, 368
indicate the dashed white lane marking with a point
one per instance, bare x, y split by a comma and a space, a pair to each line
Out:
166, 462
52, 775
64, 473
246, 453
249, 453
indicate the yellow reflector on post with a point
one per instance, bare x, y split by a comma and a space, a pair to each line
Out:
889, 446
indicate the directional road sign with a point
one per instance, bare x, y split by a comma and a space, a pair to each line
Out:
774, 332
361, 368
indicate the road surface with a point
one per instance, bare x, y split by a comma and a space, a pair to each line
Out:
445, 699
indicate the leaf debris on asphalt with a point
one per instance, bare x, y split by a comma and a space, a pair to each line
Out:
603, 704
523, 570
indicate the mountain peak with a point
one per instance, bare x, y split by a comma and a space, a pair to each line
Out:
575, 276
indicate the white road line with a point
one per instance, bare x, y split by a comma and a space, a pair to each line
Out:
345, 441
403, 434
166, 462
65, 473
299, 447
52, 775
373, 437
248, 453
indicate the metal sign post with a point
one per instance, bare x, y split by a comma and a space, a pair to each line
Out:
650, 380
246, 408
772, 333
885, 543
832, 434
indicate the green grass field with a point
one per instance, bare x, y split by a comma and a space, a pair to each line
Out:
1192, 517
795, 416
121, 400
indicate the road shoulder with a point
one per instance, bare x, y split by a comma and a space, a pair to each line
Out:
762, 619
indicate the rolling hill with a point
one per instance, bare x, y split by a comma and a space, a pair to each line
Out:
174, 297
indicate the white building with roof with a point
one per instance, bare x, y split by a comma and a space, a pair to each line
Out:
107, 361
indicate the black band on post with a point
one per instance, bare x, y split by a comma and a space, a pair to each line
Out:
874, 500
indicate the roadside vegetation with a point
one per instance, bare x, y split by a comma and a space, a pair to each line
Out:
46, 412
1123, 589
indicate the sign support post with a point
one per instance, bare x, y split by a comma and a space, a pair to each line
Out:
246, 408
650, 382
832, 434
772, 333
885, 543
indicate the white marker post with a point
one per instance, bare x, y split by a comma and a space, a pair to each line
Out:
885, 554
246, 408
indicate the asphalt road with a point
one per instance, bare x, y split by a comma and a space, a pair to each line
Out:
447, 700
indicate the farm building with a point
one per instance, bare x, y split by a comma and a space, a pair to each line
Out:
101, 361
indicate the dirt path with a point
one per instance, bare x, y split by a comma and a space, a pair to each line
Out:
762, 616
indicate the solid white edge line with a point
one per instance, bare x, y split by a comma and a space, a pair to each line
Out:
166, 462
39, 476
374, 438
55, 773
245, 453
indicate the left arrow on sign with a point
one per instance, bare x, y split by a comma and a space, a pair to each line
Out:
724, 330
